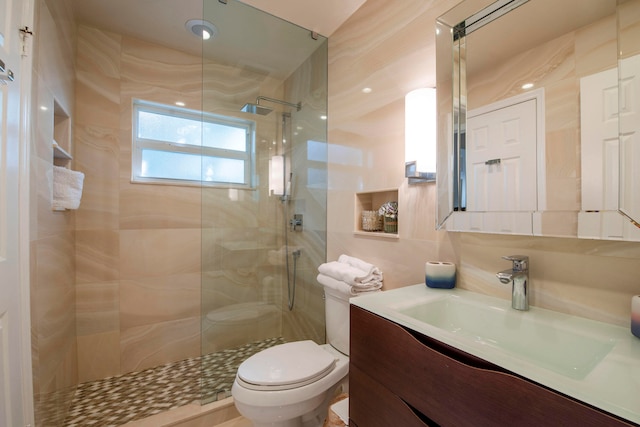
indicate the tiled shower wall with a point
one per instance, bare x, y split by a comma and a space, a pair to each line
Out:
52, 235
137, 246
140, 274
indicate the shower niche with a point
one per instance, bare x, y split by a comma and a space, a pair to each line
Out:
371, 201
61, 136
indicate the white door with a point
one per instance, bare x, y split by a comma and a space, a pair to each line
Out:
15, 358
501, 159
630, 136
599, 140
601, 150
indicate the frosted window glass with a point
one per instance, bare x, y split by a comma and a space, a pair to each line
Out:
171, 165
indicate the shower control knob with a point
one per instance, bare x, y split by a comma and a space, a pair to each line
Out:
296, 222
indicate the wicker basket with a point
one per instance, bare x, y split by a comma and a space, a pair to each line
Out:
371, 221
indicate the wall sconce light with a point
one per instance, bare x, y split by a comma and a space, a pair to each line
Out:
276, 175
420, 135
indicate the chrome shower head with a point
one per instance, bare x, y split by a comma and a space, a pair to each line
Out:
256, 109
263, 111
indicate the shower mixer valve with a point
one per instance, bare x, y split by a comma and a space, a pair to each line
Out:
296, 222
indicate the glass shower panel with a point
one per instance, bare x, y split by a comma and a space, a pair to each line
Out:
247, 240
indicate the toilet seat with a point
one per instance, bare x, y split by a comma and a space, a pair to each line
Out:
285, 366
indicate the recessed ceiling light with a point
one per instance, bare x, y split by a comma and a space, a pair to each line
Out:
200, 28
367, 90
180, 104
527, 86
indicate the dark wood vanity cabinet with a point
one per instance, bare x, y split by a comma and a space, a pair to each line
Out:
398, 377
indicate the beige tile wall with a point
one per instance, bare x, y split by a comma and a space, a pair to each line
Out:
52, 242
138, 246
391, 49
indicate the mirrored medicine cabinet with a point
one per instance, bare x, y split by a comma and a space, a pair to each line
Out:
538, 132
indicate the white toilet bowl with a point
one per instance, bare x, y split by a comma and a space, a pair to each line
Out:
301, 379
290, 385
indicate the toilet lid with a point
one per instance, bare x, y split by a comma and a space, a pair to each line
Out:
285, 366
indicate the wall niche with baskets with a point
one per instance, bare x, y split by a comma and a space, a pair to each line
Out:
370, 219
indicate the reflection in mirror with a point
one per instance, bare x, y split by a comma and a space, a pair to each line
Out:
509, 113
629, 125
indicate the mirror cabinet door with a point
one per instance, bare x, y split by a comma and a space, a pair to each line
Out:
629, 108
487, 51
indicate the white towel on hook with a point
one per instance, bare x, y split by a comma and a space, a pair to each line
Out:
67, 188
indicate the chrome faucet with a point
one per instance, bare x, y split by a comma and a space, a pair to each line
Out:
519, 277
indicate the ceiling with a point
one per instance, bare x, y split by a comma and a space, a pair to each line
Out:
243, 37
321, 16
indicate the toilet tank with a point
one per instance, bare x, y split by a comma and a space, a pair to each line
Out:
336, 308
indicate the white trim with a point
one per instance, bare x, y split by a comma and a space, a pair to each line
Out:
139, 144
24, 238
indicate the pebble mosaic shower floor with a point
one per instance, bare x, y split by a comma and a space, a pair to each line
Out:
118, 400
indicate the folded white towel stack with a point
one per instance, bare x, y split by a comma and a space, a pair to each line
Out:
67, 188
350, 274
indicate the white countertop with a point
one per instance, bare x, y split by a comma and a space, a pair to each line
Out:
613, 385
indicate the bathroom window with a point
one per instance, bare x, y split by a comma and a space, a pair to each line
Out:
180, 146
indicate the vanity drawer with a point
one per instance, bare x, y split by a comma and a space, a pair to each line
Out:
453, 388
372, 405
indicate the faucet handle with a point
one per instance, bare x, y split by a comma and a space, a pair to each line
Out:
520, 262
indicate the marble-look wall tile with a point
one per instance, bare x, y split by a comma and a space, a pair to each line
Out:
159, 206
54, 319
565, 274
55, 47
97, 255
99, 54
596, 48
96, 151
98, 356
629, 20
56, 339
52, 263
159, 252
152, 345
100, 98
155, 66
159, 299
97, 308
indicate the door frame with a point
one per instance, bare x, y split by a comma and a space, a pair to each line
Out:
24, 211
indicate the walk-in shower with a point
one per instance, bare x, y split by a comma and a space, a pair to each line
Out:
178, 280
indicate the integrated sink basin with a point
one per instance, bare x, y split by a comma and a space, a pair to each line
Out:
548, 339
594, 362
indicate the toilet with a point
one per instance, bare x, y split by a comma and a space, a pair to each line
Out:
291, 385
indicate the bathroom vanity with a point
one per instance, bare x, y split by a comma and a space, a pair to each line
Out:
416, 360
